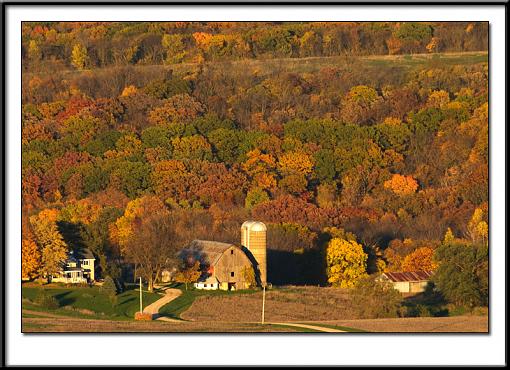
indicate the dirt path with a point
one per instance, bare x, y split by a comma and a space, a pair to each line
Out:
306, 326
153, 308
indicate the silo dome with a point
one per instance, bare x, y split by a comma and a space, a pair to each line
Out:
247, 224
257, 226
254, 226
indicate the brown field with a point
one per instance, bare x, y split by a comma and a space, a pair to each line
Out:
291, 304
70, 325
454, 324
457, 324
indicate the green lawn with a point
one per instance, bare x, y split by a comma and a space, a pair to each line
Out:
175, 308
90, 302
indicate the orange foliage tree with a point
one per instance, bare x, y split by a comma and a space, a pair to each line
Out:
401, 185
419, 260
30, 259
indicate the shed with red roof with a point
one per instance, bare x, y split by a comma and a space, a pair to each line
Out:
408, 282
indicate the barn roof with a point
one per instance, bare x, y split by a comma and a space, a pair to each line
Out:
408, 276
208, 280
210, 249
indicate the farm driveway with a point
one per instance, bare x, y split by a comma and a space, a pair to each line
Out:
153, 308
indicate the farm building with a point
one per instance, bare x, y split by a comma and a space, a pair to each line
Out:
226, 266
209, 283
408, 282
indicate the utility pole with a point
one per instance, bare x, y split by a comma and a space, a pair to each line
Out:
263, 301
141, 305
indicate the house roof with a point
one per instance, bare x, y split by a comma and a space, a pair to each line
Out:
73, 269
86, 254
80, 254
206, 250
408, 276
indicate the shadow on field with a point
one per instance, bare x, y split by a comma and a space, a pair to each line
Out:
295, 268
64, 299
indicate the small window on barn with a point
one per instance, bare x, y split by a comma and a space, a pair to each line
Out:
232, 274
231, 251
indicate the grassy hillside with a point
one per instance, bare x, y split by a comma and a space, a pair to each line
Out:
89, 302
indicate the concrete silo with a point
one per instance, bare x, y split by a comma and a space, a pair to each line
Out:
253, 237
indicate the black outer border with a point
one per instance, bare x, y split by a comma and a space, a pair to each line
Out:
403, 3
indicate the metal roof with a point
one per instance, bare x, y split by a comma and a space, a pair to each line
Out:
408, 276
206, 251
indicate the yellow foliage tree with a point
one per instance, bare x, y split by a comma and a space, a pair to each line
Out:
175, 48
438, 99
448, 237
30, 259
419, 260
295, 163
401, 185
392, 121
346, 262
79, 56
478, 229
34, 51
51, 243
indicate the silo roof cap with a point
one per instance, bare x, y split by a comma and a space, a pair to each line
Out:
247, 224
258, 226
254, 226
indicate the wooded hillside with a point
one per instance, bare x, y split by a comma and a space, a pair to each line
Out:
213, 123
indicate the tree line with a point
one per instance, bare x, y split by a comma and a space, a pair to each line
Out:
88, 45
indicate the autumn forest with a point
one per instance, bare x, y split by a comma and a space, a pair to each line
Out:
362, 146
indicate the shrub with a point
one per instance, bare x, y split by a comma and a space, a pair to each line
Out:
480, 311
249, 276
110, 289
373, 299
119, 284
46, 300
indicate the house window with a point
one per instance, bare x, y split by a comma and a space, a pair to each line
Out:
232, 274
85, 262
231, 251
